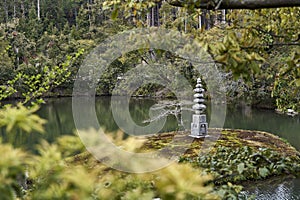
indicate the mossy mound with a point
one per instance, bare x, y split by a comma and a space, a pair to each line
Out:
231, 155
223, 137
234, 157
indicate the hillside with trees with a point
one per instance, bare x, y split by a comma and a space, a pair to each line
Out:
258, 50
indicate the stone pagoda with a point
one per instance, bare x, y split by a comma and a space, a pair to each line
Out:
199, 125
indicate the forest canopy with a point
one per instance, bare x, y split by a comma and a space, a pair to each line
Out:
45, 41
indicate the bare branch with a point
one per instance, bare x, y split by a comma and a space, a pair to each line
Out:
234, 4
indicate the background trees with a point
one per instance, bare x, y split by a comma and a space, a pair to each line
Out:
258, 49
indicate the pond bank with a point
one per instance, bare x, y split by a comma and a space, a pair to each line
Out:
265, 103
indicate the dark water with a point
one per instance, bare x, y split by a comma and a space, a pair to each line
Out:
279, 188
286, 127
58, 112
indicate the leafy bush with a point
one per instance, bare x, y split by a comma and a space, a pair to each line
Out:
52, 174
51, 177
12, 171
229, 164
20, 117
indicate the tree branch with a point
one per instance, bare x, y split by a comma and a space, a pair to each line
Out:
234, 4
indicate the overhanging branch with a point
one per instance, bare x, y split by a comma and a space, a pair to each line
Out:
235, 4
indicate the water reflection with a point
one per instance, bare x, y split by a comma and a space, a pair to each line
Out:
58, 112
138, 110
286, 127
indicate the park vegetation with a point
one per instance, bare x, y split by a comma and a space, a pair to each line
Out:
43, 44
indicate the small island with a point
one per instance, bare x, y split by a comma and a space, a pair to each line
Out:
238, 157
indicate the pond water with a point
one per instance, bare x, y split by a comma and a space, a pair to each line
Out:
279, 188
58, 113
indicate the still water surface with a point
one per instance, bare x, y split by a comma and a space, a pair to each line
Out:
58, 113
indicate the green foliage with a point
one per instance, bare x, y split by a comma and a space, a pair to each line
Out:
70, 145
12, 171
50, 77
183, 182
51, 176
273, 34
130, 8
246, 45
53, 179
40, 54
287, 84
67, 183
231, 54
6, 91
230, 191
32, 85
6, 61
229, 164
22, 118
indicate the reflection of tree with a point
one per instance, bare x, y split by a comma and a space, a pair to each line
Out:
59, 115
57, 118
103, 110
265, 120
60, 119
140, 111
21, 139
170, 108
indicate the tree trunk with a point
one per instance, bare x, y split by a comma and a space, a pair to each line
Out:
157, 15
204, 19
6, 11
152, 17
89, 12
23, 9
15, 11
38, 10
199, 22
149, 18
185, 22
223, 18
235, 4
